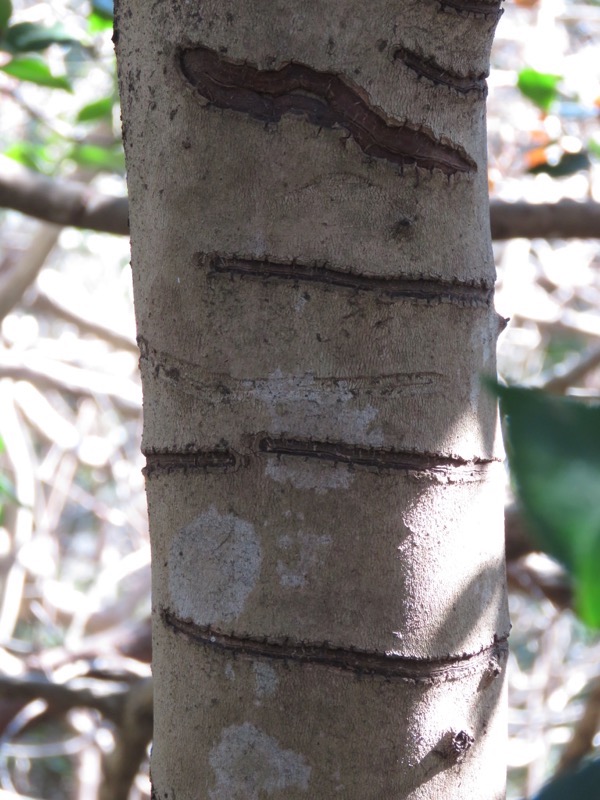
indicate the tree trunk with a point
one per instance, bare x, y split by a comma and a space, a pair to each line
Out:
313, 282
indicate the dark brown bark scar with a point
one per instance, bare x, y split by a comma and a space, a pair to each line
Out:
323, 99
478, 8
455, 745
356, 456
360, 662
433, 291
161, 462
434, 72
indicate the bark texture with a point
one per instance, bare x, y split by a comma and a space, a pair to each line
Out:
313, 283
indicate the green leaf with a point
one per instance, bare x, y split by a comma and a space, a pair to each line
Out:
109, 159
96, 110
554, 453
37, 71
103, 8
593, 146
5, 13
98, 24
33, 156
580, 785
587, 587
28, 36
539, 87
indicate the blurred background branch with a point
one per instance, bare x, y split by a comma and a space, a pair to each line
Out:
68, 202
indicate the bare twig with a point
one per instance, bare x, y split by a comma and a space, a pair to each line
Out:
45, 303
103, 697
25, 271
132, 737
21, 526
561, 383
50, 374
581, 742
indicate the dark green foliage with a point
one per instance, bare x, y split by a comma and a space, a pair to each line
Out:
35, 70
581, 785
554, 453
27, 37
99, 109
5, 14
568, 164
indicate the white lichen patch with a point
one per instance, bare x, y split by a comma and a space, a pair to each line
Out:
248, 765
311, 406
265, 679
301, 554
214, 564
317, 477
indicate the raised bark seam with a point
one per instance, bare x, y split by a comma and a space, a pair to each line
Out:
388, 665
376, 457
194, 459
323, 99
428, 290
161, 462
429, 68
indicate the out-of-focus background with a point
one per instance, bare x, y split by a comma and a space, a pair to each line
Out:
74, 551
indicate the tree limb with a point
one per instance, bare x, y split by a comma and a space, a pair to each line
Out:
108, 700
567, 219
65, 202
61, 201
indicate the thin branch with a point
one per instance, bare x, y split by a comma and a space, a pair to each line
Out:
46, 303
561, 383
66, 202
24, 273
108, 700
49, 374
582, 740
132, 737
567, 219
61, 201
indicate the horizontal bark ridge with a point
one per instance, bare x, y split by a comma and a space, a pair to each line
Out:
323, 99
224, 460
357, 456
167, 461
429, 68
425, 289
389, 665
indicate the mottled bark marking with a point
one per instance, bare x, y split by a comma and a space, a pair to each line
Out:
248, 764
214, 564
323, 99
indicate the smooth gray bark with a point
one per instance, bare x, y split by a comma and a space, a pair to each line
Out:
313, 283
